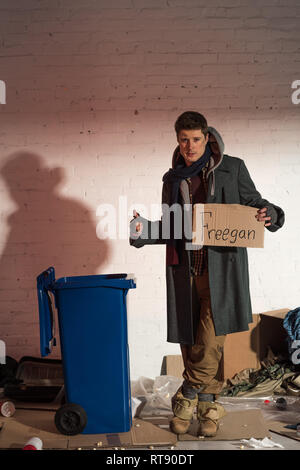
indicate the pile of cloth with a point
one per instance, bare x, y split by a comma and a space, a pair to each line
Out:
277, 375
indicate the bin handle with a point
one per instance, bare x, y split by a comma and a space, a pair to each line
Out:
52, 319
47, 323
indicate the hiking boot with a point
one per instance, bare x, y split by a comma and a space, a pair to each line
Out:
183, 409
209, 414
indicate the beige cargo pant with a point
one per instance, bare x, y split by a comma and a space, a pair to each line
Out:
203, 360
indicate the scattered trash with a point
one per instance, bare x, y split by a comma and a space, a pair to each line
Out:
281, 403
268, 406
292, 385
292, 426
284, 409
34, 443
265, 443
7, 408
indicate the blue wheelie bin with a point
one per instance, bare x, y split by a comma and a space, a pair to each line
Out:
92, 317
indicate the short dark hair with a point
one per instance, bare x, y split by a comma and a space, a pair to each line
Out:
191, 120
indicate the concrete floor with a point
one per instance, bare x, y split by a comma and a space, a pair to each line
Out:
286, 442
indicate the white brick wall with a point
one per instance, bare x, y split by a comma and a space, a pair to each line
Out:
93, 90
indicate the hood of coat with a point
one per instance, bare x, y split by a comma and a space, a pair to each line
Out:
217, 148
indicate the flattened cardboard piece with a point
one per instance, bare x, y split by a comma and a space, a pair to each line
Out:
149, 433
234, 426
14, 434
142, 434
279, 428
227, 225
17, 430
39, 420
99, 441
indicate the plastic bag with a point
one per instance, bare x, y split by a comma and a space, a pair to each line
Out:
142, 386
270, 410
291, 414
135, 403
241, 403
155, 394
264, 443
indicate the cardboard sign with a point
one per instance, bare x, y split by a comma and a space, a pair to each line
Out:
227, 225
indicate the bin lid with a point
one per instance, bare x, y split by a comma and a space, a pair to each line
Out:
117, 281
46, 283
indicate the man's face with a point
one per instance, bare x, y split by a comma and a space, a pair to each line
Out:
192, 145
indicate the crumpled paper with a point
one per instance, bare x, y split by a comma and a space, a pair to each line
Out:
264, 443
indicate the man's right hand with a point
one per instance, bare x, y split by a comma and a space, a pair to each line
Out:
137, 229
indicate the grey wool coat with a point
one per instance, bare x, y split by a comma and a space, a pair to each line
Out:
229, 182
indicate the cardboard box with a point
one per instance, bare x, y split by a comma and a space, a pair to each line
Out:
246, 349
227, 225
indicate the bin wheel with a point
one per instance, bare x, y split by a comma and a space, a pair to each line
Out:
70, 419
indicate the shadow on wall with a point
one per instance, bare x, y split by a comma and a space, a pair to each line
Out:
47, 229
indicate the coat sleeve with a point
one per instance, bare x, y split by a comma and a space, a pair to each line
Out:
151, 234
249, 196
152, 230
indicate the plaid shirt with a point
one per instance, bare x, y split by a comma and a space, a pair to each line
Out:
199, 263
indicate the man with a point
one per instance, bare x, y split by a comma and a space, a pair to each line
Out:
207, 287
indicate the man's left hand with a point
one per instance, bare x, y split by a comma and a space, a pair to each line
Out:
262, 217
